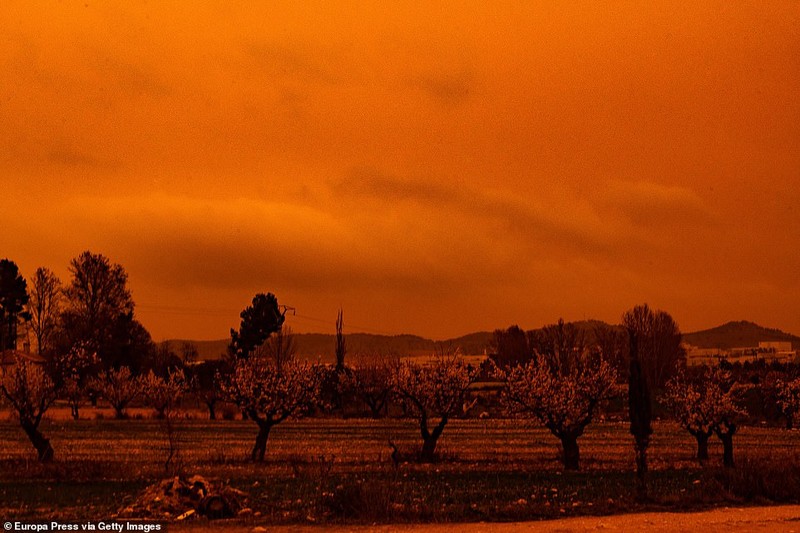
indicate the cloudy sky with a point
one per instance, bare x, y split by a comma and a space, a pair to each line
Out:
430, 168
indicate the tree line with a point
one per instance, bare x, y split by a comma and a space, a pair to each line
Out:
561, 375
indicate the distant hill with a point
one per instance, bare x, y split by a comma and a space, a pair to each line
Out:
319, 346
738, 335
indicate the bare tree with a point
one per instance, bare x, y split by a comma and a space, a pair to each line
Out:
269, 394
280, 347
30, 392
659, 344
434, 392
612, 343
370, 381
561, 387
99, 310
655, 355
163, 395
44, 307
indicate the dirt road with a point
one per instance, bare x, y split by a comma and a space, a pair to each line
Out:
783, 519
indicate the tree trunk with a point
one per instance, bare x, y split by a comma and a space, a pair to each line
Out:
74, 410
119, 413
260, 447
569, 443
40, 442
727, 449
212, 412
429, 439
702, 446
641, 469
640, 412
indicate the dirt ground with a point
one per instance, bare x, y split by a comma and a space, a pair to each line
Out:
782, 519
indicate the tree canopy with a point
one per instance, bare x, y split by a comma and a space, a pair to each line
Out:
259, 321
99, 313
13, 299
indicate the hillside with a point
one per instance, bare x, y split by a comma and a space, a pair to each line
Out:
738, 334
319, 346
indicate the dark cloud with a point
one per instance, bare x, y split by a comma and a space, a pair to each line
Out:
449, 89
370, 183
291, 62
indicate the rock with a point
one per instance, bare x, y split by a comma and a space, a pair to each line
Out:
258, 529
245, 512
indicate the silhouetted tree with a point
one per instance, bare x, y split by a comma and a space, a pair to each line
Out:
640, 410
562, 386
612, 343
510, 347
269, 395
206, 380
163, 359
341, 345
44, 307
259, 321
100, 313
370, 381
13, 299
435, 391
656, 355
659, 343
189, 352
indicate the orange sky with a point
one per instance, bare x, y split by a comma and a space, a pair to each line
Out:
433, 170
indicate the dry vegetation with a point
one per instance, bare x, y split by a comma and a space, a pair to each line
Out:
333, 470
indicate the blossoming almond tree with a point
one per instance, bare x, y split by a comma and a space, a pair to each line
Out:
163, 394
788, 395
30, 392
706, 406
561, 386
693, 404
119, 388
431, 392
69, 372
564, 402
269, 394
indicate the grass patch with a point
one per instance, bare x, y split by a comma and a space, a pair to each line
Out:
340, 471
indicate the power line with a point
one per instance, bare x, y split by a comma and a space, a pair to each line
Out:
201, 311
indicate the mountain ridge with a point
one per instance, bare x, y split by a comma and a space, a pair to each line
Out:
320, 346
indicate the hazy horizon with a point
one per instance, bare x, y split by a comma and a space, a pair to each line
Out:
432, 170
